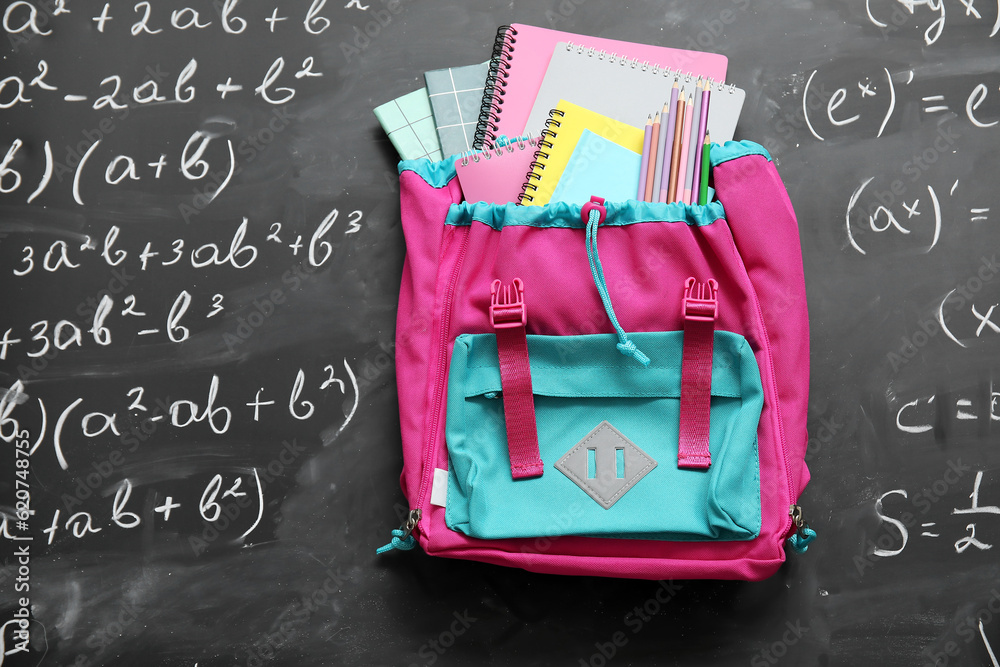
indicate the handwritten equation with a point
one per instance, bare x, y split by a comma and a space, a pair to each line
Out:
239, 251
873, 99
225, 17
923, 502
114, 94
82, 419
896, 12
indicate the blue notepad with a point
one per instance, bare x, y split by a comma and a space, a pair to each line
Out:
599, 167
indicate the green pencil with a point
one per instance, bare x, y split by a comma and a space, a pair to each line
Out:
703, 199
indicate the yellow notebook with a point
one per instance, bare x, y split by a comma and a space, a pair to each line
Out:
563, 130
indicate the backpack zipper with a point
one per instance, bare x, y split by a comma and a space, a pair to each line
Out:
442, 376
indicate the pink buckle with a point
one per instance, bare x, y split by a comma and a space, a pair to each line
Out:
700, 300
507, 309
594, 203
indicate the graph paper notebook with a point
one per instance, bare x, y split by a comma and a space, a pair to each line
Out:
410, 125
456, 94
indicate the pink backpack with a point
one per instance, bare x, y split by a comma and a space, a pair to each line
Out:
618, 389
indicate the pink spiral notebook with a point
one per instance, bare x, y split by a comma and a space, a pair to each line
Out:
496, 175
521, 56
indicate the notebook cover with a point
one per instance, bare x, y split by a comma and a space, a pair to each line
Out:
410, 125
562, 135
628, 93
456, 94
598, 166
495, 175
527, 51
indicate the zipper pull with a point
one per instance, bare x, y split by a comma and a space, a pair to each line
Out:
401, 537
803, 533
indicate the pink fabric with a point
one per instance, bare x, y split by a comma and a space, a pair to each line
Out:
754, 197
508, 315
760, 297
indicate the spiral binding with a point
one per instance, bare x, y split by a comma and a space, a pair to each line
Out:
496, 81
645, 65
538, 164
520, 143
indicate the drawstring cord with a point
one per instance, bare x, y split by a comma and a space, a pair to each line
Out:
625, 345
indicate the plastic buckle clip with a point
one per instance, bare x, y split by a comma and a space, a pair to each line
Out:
700, 300
507, 307
594, 203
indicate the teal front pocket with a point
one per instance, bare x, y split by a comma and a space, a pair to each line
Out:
607, 434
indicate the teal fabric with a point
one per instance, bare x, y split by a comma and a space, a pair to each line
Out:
435, 174
561, 214
578, 382
732, 150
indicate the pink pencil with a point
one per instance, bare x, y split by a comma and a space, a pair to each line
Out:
654, 143
685, 147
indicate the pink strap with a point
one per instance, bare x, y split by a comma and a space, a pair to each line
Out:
699, 308
509, 317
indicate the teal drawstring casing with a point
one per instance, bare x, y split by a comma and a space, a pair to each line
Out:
593, 214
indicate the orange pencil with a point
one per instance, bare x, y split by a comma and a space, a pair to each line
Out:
654, 143
675, 157
685, 148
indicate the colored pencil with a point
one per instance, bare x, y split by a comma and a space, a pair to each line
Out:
666, 143
703, 198
695, 145
644, 167
702, 132
685, 149
675, 155
654, 143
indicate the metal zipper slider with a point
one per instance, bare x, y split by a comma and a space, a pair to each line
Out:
411, 522
803, 533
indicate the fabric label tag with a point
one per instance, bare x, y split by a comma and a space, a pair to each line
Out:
439, 490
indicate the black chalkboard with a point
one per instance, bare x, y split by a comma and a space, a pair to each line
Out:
201, 251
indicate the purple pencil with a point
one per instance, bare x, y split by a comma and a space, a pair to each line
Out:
667, 142
644, 167
702, 129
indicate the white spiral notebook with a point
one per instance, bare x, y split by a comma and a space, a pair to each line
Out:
625, 89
